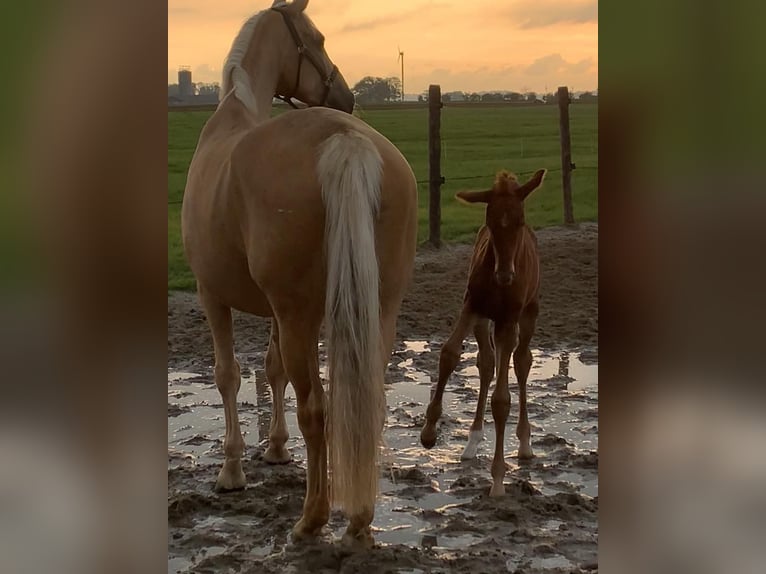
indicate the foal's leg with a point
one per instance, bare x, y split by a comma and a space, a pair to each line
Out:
275, 373
227, 380
522, 361
298, 343
505, 339
448, 360
486, 364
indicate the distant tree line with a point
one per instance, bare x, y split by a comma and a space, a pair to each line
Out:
198, 89
529, 97
377, 90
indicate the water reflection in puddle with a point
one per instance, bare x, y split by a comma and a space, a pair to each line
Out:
563, 396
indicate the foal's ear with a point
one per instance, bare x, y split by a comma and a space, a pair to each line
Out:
532, 184
474, 196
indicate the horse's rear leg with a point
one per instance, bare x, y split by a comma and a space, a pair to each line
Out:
505, 339
448, 360
298, 343
276, 453
228, 381
486, 364
522, 362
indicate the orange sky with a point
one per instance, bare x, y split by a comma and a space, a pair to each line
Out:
473, 45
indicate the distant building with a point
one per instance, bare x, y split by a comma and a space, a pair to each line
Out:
588, 97
187, 93
455, 96
185, 86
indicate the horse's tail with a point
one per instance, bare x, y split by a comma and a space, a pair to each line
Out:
350, 169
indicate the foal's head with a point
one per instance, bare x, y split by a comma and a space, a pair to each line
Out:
505, 217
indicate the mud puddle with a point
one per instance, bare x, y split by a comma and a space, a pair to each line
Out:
433, 513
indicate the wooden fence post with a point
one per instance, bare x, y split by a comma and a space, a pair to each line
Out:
566, 154
435, 179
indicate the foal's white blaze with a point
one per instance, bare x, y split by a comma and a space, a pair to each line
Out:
474, 438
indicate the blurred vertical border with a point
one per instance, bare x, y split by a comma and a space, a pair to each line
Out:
83, 277
83, 148
682, 283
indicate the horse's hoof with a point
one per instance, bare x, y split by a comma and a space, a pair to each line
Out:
497, 489
302, 531
231, 477
428, 437
277, 456
361, 540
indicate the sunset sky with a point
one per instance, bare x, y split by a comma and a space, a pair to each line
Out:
474, 45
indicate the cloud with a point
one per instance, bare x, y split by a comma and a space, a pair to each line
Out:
335, 7
375, 23
195, 10
553, 64
481, 78
239, 10
530, 14
388, 19
543, 73
206, 73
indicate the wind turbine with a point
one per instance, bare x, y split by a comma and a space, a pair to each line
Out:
401, 57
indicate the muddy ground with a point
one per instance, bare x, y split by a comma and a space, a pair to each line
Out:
434, 514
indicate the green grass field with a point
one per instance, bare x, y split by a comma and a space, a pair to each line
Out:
476, 143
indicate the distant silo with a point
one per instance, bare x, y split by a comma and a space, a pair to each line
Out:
185, 87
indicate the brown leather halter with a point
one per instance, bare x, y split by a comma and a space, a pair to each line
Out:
327, 79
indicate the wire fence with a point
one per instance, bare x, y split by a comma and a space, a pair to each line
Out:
463, 178
444, 179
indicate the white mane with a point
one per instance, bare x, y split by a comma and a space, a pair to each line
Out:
234, 75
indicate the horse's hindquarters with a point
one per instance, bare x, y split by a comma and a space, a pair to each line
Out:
397, 228
212, 242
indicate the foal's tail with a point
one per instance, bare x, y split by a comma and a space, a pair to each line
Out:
350, 168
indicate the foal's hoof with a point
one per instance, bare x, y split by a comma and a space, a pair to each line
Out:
428, 436
526, 453
231, 477
277, 455
474, 438
360, 540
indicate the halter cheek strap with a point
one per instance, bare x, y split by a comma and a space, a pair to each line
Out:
327, 79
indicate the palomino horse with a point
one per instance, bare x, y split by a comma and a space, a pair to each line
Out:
309, 216
503, 285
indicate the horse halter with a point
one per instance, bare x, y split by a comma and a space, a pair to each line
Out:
327, 79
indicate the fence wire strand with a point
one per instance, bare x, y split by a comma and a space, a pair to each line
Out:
465, 177
444, 178
489, 176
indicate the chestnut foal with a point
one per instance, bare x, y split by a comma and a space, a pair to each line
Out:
503, 286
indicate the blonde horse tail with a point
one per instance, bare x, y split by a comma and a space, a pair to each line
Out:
350, 169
